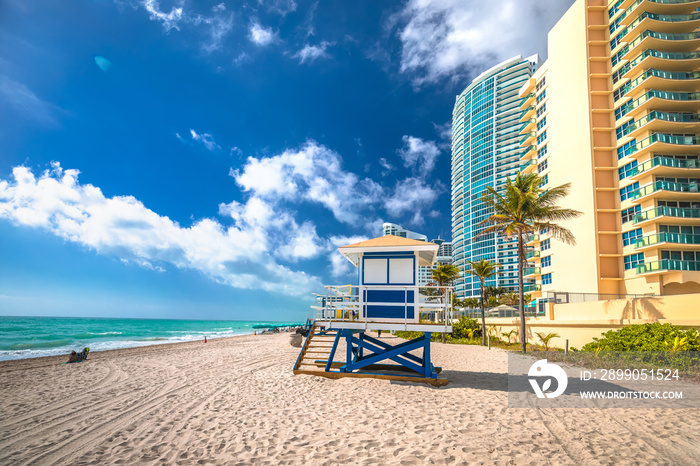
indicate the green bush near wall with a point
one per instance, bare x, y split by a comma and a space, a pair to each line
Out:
647, 337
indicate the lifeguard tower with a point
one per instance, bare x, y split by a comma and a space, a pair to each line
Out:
387, 298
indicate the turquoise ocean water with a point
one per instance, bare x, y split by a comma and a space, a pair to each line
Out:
30, 337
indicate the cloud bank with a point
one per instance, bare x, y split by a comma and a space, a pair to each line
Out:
238, 255
454, 39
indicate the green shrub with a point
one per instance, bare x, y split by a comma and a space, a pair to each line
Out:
465, 327
645, 337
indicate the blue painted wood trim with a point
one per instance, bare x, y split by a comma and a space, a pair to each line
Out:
332, 355
384, 345
395, 354
388, 296
390, 253
427, 365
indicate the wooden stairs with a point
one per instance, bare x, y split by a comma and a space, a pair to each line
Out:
317, 347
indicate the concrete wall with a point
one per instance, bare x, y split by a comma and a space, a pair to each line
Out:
580, 322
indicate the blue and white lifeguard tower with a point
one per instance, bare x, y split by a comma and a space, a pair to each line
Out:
388, 298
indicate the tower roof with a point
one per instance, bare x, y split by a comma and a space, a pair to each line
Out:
427, 252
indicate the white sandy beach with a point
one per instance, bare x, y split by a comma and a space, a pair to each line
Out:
236, 401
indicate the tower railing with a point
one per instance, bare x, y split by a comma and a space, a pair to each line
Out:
425, 305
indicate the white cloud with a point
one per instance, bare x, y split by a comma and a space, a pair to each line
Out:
412, 195
219, 22
281, 7
454, 38
419, 154
170, 20
312, 52
121, 226
241, 58
19, 97
386, 165
220, 25
339, 265
260, 35
205, 138
291, 241
313, 173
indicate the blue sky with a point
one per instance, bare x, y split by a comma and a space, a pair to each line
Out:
205, 160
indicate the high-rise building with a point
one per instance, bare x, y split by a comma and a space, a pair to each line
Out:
398, 230
444, 255
615, 111
485, 152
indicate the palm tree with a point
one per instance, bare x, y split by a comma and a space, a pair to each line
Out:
444, 275
482, 269
523, 208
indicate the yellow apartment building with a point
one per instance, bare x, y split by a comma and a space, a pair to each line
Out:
615, 111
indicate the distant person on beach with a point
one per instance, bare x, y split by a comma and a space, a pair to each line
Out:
379, 333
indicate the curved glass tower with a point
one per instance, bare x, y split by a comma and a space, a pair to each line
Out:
485, 151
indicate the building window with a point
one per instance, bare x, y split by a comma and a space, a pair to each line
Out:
627, 170
547, 279
540, 84
541, 97
545, 244
542, 152
628, 191
634, 260
541, 167
547, 261
544, 231
542, 123
626, 149
627, 215
542, 137
541, 110
624, 129
630, 237
544, 180
691, 256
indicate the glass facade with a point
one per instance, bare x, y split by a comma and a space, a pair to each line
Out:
485, 151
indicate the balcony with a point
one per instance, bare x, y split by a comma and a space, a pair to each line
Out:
528, 100
657, 22
531, 271
689, 190
670, 101
528, 138
668, 265
666, 237
663, 121
655, 6
528, 124
669, 61
664, 143
534, 238
531, 288
527, 112
531, 254
669, 80
527, 165
665, 41
665, 211
530, 151
667, 166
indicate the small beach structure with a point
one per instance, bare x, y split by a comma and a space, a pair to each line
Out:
387, 298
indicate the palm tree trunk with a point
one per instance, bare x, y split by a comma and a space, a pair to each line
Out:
521, 294
483, 318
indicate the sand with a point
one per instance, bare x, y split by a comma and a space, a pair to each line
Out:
236, 401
